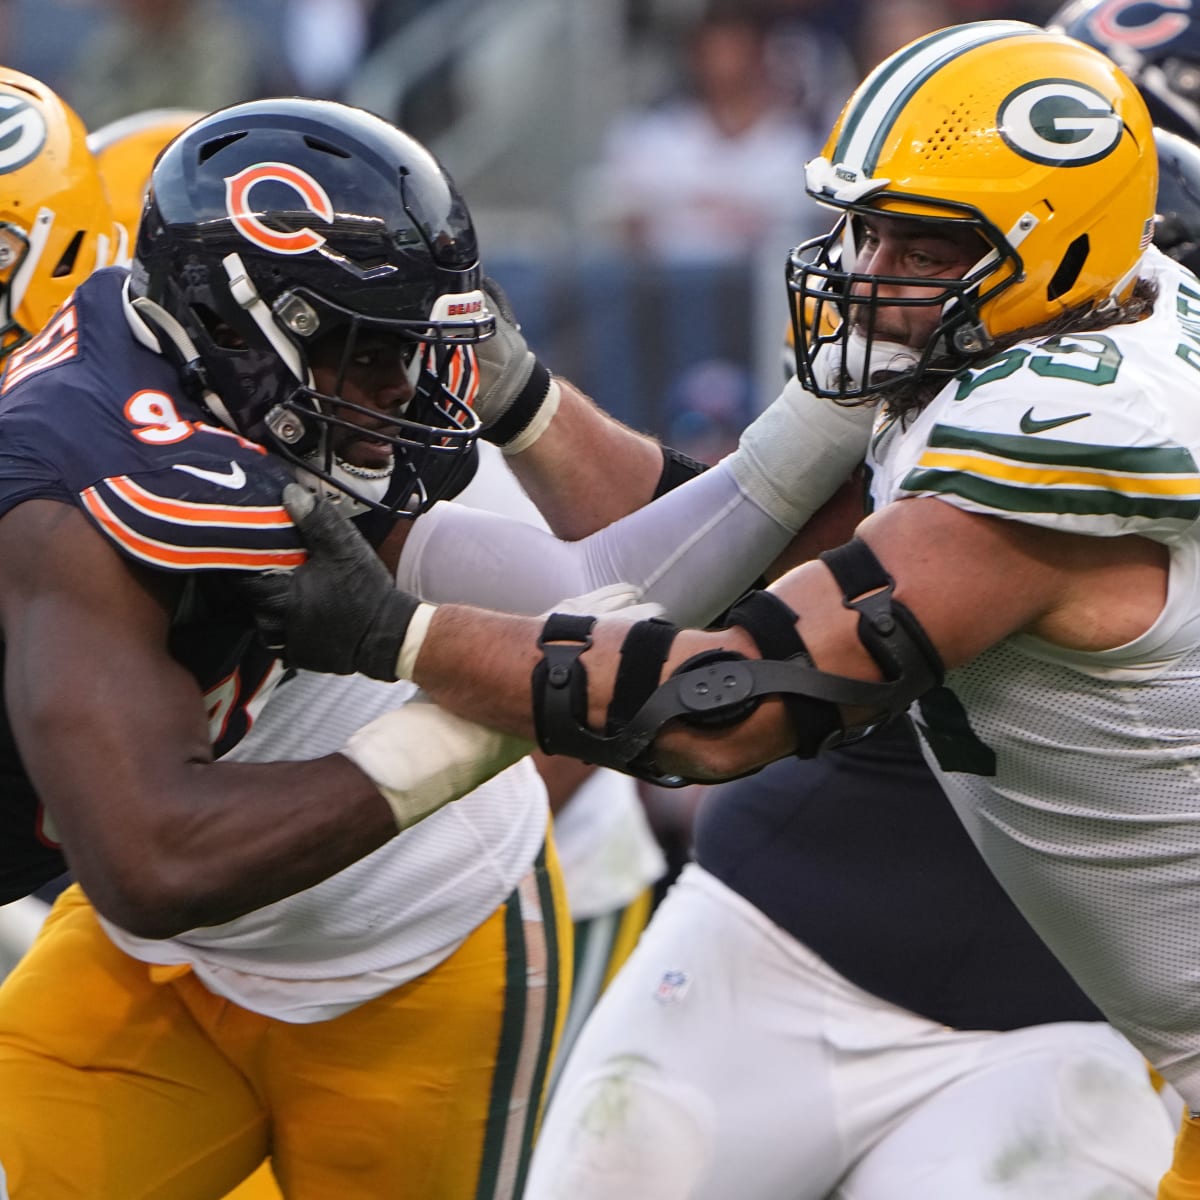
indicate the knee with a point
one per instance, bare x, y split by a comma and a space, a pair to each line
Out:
1113, 1117
623, 1129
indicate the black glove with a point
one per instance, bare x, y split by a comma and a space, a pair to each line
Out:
339, 612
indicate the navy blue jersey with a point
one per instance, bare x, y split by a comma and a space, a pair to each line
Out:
859, 855
90, 416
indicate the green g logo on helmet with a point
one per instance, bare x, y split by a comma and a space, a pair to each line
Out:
22, 133
1059, 122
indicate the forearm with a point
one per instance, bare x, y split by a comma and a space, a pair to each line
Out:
161, 847
246, 835
586, 469
694, 551
480, 665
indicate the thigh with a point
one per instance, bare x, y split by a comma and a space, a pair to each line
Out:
432, 1091
110, 1089
1057, 1110
700, 1073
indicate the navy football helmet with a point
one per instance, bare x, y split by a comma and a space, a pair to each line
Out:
285, 235
1177, 225
1155, 42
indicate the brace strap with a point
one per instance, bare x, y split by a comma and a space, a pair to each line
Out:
772, 625
559, 679
889, 631
721, 687
643, 653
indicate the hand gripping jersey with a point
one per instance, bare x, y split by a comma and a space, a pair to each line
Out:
92, 415
1078, 774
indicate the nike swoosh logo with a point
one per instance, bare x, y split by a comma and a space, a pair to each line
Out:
1030, 424
233, 479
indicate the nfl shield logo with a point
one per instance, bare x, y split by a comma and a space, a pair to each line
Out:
672, 987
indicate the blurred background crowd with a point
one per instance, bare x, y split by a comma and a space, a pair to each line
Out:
635, 167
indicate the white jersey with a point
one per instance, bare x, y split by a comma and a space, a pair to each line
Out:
383, 920
1078, 774
606, 849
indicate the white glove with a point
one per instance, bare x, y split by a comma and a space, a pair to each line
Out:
612, 598
797, 453
517, 399
421, 757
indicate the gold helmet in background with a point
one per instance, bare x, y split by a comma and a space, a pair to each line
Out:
125, 151
56, 225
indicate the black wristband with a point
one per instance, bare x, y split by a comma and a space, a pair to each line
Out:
677, 468
523, 409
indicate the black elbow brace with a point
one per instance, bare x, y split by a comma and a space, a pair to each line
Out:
720, 688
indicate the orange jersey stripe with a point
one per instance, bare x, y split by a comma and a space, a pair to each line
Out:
192, 513
180, 557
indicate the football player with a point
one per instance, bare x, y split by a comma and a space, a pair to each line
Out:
886, 987
305, 303
1156, 45
56, 223
1028, 571
610, 859
56, 227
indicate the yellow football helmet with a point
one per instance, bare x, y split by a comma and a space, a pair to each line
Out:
126, 150
1034, 140
56, 226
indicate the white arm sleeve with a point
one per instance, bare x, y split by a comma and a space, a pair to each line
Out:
694, 551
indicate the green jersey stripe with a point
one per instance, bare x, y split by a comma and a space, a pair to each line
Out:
1063, 501
1024, 448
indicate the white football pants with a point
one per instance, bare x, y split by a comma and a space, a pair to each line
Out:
726, 1060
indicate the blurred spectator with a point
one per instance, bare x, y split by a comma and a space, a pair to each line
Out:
886, 25
323, 41
163, 54
429, 102
889, 24
708, 406
711, 176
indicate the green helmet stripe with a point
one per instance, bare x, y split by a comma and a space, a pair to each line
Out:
890, 86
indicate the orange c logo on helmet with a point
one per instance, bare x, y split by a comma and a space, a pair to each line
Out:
247, 223
1150, 31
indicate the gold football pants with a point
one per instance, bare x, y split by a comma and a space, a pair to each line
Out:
124, 1081
1182, 1181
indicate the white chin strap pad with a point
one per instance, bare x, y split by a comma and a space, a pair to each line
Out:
863, 363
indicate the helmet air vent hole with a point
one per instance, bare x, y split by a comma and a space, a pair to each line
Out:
327, 147
66, 264
1069, 268
217, 145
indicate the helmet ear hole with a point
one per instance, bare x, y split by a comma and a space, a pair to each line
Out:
66, 264
1069, 267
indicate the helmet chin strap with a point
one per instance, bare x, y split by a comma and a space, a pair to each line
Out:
154, 314
242, 288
